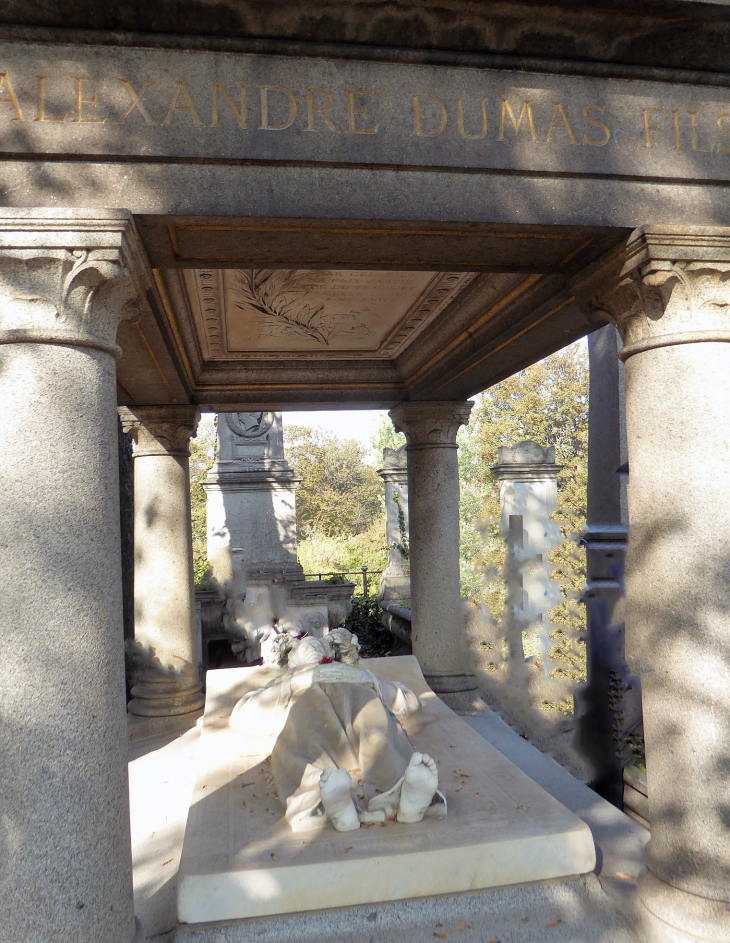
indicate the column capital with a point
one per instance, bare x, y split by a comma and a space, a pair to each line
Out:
68, 278
160, 430
663, 287
430, 424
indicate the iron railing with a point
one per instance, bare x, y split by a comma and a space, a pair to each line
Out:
362, 572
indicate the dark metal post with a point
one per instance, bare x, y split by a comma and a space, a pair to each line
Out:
599, 715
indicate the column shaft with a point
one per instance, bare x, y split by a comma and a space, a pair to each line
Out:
438, 634
168, 676
669, 294
65, 859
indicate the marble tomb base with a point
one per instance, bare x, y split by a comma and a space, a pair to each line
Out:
240, 859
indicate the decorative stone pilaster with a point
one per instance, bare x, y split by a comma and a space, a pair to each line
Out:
66, 279
395, 582
167, 644
668, 292
438, 634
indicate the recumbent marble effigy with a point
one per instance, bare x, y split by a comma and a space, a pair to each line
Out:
338, 748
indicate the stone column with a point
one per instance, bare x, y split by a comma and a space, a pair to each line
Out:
669, 294
395, 582
167, 650
65, 858
600, 719
438, 634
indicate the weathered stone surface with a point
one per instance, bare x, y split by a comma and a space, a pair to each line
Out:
66, 866
395, 581
251, 498
438, 636
168, 671
680, 33
668, 295
216, 106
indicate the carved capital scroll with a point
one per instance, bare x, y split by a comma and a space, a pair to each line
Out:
160, 430
62, 296
430, 425
665, 288
69, 276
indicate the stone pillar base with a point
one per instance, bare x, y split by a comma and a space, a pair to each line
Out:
163, 698
451, 683
669, 915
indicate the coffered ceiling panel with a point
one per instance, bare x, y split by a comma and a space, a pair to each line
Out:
265, 313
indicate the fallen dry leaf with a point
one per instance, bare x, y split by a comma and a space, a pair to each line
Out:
243, 785
243, 805
554, 924
169, 861
494, 941
619, 874
441, 936
464, 926
460, 772
274, 857
345, 850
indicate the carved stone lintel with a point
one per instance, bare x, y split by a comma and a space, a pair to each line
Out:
430, 425
68, 278
664, 288
160, 430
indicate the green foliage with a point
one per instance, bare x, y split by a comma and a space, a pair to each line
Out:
340, 494
200, 568
202, 456
319, 553
365, 621
386, 437
547, 402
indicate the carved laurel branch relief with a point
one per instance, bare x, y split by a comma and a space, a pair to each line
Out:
55, 294
276, 295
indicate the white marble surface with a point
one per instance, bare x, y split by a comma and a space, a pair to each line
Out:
241, 860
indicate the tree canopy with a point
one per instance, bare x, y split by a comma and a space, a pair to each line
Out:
340, 494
